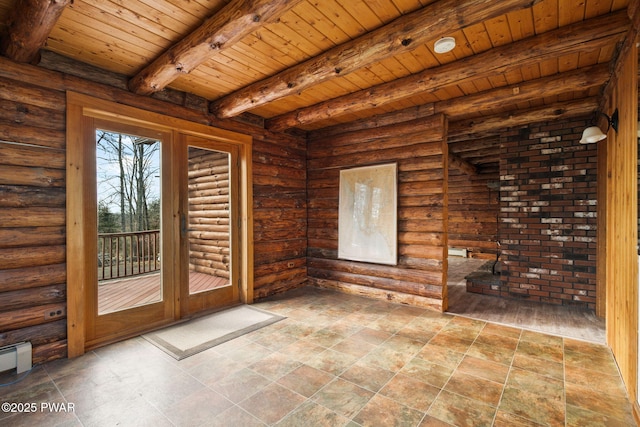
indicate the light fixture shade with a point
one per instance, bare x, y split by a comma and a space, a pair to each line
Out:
592, 135
444, 45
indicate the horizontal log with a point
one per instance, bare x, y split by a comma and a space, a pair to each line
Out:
40, 334
208, 214
19, 196
33, 116
33, 236
208, 221
559, 110
366, 158
208, 245
219, 228
37, 315
212, 210
49, 352
204, 235
212, 270
280, 266
32, 176
194, 246
215, 173
422, 251
261, 181
30, 94
32, 217
381, 294
279, 214
32, 135
291, 275
207, 185
11, 258
428, 276
26, 298
223, 259
282, 171
31, 277
279, 287
331, 148
424, 129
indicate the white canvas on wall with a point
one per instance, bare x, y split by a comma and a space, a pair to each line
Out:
367, 217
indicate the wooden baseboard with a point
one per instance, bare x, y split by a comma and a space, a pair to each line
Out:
636, 412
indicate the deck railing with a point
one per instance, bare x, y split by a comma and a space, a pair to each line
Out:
128, 254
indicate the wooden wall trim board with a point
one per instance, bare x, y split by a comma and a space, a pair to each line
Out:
620, 211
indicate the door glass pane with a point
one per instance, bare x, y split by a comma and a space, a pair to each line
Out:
209, 220
128, 181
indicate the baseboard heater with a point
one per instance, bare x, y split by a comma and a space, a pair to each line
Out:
461, 252
16, 356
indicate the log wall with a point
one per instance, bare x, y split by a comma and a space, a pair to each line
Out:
32, 194
421, 153
474, 211
209, 212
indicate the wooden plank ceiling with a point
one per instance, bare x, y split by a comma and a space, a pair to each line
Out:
317, 64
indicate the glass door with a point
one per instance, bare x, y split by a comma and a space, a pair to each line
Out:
210, 220
132, 288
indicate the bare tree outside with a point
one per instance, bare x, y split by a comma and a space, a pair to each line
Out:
128, 186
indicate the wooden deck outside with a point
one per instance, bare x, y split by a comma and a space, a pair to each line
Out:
114, 295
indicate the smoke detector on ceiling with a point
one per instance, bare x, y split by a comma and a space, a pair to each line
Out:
444, 45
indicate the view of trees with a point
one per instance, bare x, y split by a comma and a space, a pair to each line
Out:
128, 182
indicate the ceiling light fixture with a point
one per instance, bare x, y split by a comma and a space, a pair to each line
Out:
444, 45
593, 134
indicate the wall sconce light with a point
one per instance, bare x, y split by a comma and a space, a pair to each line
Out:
593, 134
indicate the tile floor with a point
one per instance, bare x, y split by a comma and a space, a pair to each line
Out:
337, 360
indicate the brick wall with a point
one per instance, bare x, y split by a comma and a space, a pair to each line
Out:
547, 224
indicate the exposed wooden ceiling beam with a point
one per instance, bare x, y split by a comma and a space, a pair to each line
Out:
577, 38
486, 125
236, 20
403, 34
29, 25
630, 42
580, 79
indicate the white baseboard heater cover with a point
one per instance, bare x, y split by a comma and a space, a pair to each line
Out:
458, 252
16, 356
